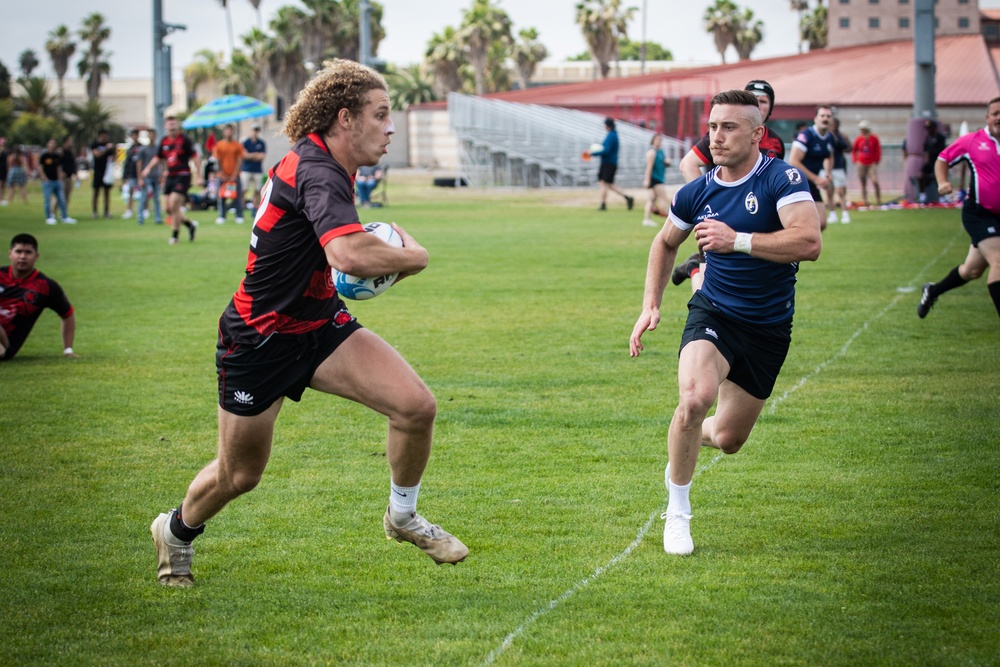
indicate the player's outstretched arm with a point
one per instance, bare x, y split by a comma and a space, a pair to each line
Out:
662, 254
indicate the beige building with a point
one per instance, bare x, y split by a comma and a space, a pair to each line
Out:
857, 22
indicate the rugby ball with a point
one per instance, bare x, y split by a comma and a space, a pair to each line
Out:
359, 289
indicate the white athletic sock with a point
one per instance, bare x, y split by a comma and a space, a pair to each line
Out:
402, 499
680, 498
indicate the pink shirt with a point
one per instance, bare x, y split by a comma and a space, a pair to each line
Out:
982, 151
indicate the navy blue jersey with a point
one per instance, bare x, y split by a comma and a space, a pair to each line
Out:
609, 150
817, 147
748, 289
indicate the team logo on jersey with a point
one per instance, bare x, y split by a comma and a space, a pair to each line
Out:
983, 146
794, 176
30, 297
751, 203
243, 397
706, 213
342, 317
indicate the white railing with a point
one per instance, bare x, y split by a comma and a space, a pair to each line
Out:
528, 145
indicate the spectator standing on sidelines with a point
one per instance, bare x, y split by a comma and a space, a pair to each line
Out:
4, 154
287, 329
755, 221
24, 293
178, 153
866, 153
50, 173
103, 153
812, 154
149, 187
981, 211
129, 174
17, 172
655, 180
609, 166
229, 153
67, 160
836, 192
253, 164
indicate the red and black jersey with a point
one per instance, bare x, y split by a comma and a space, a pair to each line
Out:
771, 145
176, 153
288, 289
22, 302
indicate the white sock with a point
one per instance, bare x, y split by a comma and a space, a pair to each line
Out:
402, 499
680, 498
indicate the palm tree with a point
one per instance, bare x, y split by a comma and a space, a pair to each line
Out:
483, 25
61, 48
286, 61
445, 59
36, 98
410, 85
813, 28
527, 53
603, 23
238, 77
84, 120
204, 68
799, 6
94, 64
722, 20
257, 45
749, 34
27, 61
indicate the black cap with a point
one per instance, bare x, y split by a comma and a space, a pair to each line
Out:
760, 86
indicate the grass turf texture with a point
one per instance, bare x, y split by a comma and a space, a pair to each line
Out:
858, 525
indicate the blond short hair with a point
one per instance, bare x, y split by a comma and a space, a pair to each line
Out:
340, 84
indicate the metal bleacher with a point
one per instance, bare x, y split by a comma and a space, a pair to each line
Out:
503, 144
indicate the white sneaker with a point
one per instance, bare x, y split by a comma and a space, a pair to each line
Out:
239, 221
126, 215
172, 241
649, 223
831, 218
677, 534
845, 218
69, 221
220, 220
50, 221
3, 202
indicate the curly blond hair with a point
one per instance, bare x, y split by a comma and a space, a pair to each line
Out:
341, 84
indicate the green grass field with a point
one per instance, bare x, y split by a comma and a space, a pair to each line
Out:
858, 526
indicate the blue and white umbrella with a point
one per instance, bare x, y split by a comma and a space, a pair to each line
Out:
227, 109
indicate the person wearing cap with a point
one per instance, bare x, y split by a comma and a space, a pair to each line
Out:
699, 157
866, 153
255, 150
608, 152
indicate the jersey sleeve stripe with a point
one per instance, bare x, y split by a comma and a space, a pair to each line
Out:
794, 198
340, 231
287, 168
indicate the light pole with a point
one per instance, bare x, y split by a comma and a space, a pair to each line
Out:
163, 93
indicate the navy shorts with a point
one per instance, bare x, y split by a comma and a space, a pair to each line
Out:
607, 172
980, 223
814, 191
251, 379
755, 353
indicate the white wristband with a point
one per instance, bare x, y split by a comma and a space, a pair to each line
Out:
68, 350
742, 243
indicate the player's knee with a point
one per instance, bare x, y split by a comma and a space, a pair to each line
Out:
729, 441
243, 481
419, 412
693, 407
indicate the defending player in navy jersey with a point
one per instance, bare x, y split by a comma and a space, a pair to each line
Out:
287, 329
812, 154
755, 220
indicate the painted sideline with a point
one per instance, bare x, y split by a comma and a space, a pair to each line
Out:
773, 405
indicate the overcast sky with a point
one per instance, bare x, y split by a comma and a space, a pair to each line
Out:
409, 24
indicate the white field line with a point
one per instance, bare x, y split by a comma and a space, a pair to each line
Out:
593, 576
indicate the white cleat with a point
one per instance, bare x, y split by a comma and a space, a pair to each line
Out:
677, 534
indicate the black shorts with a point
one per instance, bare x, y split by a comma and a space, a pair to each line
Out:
251, 379
179, 183
755, 353
607, 172
980, 223
814, 191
